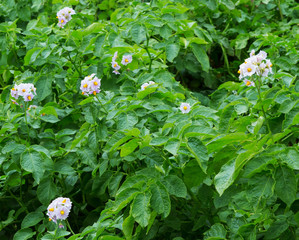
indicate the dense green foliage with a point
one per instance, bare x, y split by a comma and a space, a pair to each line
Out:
135, 166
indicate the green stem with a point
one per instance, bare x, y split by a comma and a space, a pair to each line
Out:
101, 104
280, 12
149, 55
28, 130
75, 66
259, 81
69, 226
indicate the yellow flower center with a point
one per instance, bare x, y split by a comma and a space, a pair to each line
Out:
185, 108
85, 85
248, 83
249, 69
126, 60
44, 115
62, 212
51, 209
61, 21
64, 200
13, 89
95, 83
82, 93
245, 62
94, 93
50, 219
23, 90
29, 97
271, 65
115, 65
145, 87
239, 71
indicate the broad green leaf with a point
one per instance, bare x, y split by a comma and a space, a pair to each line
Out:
31, 55
86, 100
241, 41
32, 219
93, 28
201, 56
147, 91
291, 158
46, 191
258, 124
43, 87
33, 162
224, 140
160, 201
128, 226
49, 110
172, 146
132, 182
199, 151
217, 231
24, 234
98, 45
172, 50
129, 147
158, 141
140, 208
126, 120
138, 33
286, 185
175, 186
87, 156
225, 177
276, 229
124, 197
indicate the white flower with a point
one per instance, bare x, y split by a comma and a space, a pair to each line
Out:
247, 69
185, 107
90, 85
64, 16
252, 53
126, 59
115, 65
249, 83
25, 90
59, 209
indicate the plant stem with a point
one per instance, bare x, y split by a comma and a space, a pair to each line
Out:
75, 66
28, 130
261, 100
69, 226
101, 104
148, 53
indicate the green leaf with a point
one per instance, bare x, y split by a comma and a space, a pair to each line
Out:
258, 124
49, 110
199, 151
24, 234
31, 55
276, 229
98, 45
172, 146
124, 197
138, 33
201, 56
86, 100
126, 120
158, 141
129, 147
160, 201
32, 219
143, 93
87, 156
108, 237
286, 185
224, 140
128, 226
46, 191
33, 162
140, 208
291, 158
217, 231
175, 186
43, 87
225, 177
93, 28
172, 50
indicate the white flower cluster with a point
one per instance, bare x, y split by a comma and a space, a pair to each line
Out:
25, 90
126, 59
185, 107
145, 85
59, 209
90, 85
64, 16
256, 64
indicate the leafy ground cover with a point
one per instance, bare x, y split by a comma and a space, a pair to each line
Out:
128, 119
